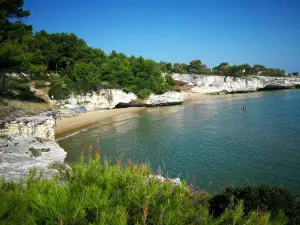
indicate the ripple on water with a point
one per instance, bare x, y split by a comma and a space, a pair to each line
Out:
213, 144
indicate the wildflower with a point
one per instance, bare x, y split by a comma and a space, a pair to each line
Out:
259, 213
128, 163
97, 153
90, 150
224, 187
98, 147
119, 161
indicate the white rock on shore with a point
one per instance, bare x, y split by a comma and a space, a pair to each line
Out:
108, 99
29, 143
173, 181
165, 98
104, 99
217, 84
41, 126
20, 154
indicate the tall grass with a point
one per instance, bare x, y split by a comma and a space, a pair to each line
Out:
10, 109
100, 193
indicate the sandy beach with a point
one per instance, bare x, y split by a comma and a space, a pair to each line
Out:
191, 98
70, 125
66, 126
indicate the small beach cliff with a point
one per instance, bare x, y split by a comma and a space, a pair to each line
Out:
116, 98
214, 84
27, 143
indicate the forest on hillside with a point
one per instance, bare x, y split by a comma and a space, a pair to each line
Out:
70, 65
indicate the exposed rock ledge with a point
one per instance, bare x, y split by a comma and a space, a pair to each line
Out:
21, 153
41, 126
29, 143
165, 99
114, 98
217, 84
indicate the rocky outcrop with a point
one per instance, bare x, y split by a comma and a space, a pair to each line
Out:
173, 181
107, 99
26, 143
165, 99
104, 99
168, 98
218, 84
20, 154
41, 126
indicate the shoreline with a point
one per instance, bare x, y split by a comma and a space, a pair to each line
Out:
68, 126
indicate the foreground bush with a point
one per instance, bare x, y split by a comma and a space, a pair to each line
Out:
259, 198
95, 193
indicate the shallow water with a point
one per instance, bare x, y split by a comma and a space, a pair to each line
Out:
214, 144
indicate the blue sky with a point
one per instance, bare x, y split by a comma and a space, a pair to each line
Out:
214, 31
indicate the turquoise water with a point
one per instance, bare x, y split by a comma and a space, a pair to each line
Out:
214, 144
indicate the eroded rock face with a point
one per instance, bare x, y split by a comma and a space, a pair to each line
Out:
20, 154
27, 143
167, 98
108, 99
104, 99
41, 126
217, 84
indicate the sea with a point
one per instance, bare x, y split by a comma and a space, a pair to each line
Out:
208, 142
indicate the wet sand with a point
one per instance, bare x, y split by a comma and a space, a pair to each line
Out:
66, 126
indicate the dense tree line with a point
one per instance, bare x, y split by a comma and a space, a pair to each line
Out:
196, 67
80, 68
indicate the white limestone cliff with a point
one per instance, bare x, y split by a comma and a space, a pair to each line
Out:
41, 126
104, 99
217, 84
20, 154
27, 143
108, 99
166, 98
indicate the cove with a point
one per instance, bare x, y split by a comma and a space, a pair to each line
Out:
214, 144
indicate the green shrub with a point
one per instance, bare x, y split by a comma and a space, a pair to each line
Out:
59, 91
144, 93
169, 80
263, 197
101, 193
36, 69
17, 88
